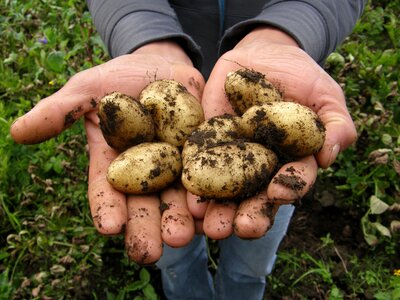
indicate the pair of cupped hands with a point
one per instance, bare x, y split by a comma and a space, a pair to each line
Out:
139, 217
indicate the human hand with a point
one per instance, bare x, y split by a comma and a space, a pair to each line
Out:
276, 54
112, 211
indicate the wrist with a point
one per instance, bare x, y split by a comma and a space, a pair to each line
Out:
268, 34
168, 49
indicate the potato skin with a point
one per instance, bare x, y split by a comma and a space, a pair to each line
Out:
212, 132
124, 122
246, 88
145, 168
230, 171
175, 111
287, 127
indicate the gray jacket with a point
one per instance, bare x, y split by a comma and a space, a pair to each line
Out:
208, 28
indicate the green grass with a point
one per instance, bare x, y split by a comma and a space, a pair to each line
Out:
49, 247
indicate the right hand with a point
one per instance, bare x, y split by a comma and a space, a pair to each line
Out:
112, 211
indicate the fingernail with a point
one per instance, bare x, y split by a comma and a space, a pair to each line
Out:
334, 153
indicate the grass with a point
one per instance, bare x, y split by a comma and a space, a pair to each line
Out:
49, 247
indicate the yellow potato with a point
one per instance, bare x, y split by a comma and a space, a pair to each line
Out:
175, 111
246, 88
214, 131
286, 127
124, 122
231, 171
145, 168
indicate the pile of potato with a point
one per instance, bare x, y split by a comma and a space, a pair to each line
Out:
164, 136
149, 132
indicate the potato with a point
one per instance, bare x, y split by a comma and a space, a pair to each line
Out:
145, 168
230, 171
286, 127
124, 122
175, 111
214, 131
246, 88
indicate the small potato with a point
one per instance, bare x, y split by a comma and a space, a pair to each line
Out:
231, 171
175, 111
145, 168
286, 127
212, 132
245, 88
124, 122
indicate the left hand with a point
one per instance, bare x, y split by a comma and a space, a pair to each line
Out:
137, 216
274, 53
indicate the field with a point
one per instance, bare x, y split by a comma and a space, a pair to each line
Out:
344, 240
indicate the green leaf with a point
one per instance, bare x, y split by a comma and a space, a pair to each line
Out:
383, 296
135, 286
144, 275
335, 294
368, 230
11, 58
387, 139
149, 292
5, 286
336, 58
50, 35
55, 61
121, 295
377, 205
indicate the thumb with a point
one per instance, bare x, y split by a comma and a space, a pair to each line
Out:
340, 133
59, 111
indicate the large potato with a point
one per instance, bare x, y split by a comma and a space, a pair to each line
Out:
175, 111
245, 88
212, 132
124, 122
229, 171
145, 168
287, 127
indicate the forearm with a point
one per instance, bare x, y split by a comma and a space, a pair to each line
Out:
317, 26
126, 25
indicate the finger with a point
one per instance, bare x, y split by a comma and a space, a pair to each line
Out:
57, 112
293, 181
196, 206
198, 226
177, 224
254, 217
218, 221
143, 232
214, 99
108, 206
340, 134
193, 81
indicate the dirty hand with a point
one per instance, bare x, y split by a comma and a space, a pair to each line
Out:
112, 211
276, 54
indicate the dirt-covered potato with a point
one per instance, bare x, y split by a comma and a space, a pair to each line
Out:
245, 88
286, 127
145, 168
231, 171
124, 122
175, 111
212, 132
